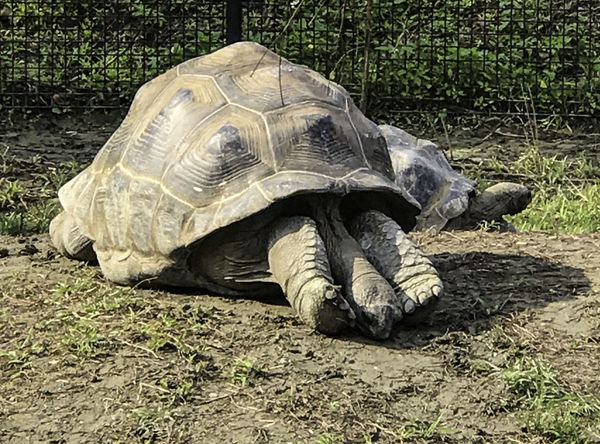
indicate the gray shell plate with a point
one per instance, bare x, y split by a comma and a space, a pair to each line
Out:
423, 172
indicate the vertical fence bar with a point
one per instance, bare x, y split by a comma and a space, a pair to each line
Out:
234, 21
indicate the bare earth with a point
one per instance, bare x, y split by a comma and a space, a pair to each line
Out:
507, 295
82, 360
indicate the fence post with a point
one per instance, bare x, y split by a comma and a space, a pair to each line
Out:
234, 21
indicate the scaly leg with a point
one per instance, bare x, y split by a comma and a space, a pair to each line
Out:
408, 270
298, 262
365, 289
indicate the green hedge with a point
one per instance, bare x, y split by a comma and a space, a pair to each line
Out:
491, 56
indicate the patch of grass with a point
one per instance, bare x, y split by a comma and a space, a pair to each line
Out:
245, 372
83, 337
8, 163
11, 193
171, 331
28, 206
56, 176
172, 390
112, 300
81, 285
566, 192
330, 438
419, 429
30, 219
550, 409
152, 422
21, 212
159, 333
19, 359
563, 209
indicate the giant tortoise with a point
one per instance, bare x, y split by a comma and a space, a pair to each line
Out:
449, 200
244, 174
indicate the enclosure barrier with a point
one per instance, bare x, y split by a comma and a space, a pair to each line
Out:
488, 56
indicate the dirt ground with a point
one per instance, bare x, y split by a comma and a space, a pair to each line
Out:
82, 360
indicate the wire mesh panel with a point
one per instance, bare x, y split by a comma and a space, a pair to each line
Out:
59, 54
496, 56
492, 56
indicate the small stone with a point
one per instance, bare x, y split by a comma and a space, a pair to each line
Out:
3, 252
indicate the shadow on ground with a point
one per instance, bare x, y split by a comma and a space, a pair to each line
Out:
482, 286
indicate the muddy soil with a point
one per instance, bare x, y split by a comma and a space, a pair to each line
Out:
508, 296
82, 360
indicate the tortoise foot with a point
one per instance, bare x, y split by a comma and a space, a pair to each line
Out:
69, 240
408, 270
298, 262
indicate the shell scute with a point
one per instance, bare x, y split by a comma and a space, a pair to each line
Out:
236, 57
266, 88
315, 138
170, 218
181, 106
143, 199
221, 158
372, 141
116, 209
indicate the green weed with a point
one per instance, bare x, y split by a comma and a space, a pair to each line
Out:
56, 176
11, 193
32, 219
8, 163
419, 429
562, 209
80, 286
159, 333
330, 438
82, 337
547, 407
245, 371
151, 421
27, 207
19, 359
174, 391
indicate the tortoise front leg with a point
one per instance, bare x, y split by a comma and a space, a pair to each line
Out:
365, 289
408, 270
298, 262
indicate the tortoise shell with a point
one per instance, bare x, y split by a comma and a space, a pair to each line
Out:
423, 171
219, 138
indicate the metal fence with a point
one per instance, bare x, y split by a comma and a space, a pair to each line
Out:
489, 56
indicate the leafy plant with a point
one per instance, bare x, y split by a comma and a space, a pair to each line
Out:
424, 429
534, 56
245, 371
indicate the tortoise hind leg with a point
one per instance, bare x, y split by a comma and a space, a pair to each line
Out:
408, 270
69, 240
298, 262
